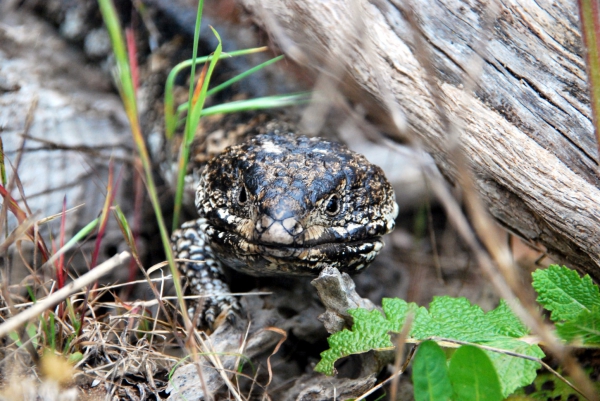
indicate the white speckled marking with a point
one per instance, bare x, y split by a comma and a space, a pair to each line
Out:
270, 147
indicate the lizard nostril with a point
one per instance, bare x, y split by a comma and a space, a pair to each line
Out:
263, 223
242, 196
292, 226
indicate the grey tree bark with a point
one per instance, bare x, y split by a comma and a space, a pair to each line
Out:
526, 129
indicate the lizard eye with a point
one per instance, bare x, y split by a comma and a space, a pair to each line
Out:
333, 205
242, 195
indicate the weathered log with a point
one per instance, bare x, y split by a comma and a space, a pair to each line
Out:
527, 128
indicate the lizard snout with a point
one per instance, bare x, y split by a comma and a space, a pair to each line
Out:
271, 231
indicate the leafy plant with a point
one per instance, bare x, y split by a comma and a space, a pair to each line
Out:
573, 301
494, 346
448, 318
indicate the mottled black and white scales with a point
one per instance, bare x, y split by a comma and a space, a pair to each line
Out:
282, 204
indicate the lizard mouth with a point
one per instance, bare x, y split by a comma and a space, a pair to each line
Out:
365, 245
298, 259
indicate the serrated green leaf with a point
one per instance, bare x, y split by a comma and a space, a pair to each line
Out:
396, 311
473, 376
506, 321
513, 372
447, 317
584, 329
454, 318
370, 331
430, 374
565, 294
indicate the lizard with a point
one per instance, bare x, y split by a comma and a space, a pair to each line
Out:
281, 203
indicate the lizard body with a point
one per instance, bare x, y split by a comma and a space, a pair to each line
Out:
283, 204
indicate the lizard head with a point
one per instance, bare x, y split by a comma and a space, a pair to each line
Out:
286, 204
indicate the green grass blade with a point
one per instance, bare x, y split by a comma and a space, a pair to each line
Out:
125, 82
192, 121
127, 92
243, 75
170, 117
182, 108
2, 168
195, 48
267, 102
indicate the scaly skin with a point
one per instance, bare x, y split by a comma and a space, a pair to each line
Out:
283, 204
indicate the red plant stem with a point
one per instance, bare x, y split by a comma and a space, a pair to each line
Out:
132, 55
137, 218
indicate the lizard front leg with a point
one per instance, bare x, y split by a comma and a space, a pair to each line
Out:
203, 274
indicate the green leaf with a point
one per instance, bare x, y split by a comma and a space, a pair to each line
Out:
573, 301
454, 318
512, 372
565, 294
448, 318
506, 321
473, 376
430, 374
584, 329
13, 335
370, 331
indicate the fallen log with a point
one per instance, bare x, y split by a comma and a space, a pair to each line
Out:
526, 129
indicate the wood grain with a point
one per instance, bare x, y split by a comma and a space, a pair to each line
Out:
526, 129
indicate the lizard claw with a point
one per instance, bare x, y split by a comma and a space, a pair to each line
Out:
219, 309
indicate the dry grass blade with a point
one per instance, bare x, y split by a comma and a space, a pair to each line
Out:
13, 206
283, 334
400, 342
111, 191
23, 229
56, 297
61, 271
213, 356
54, 216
